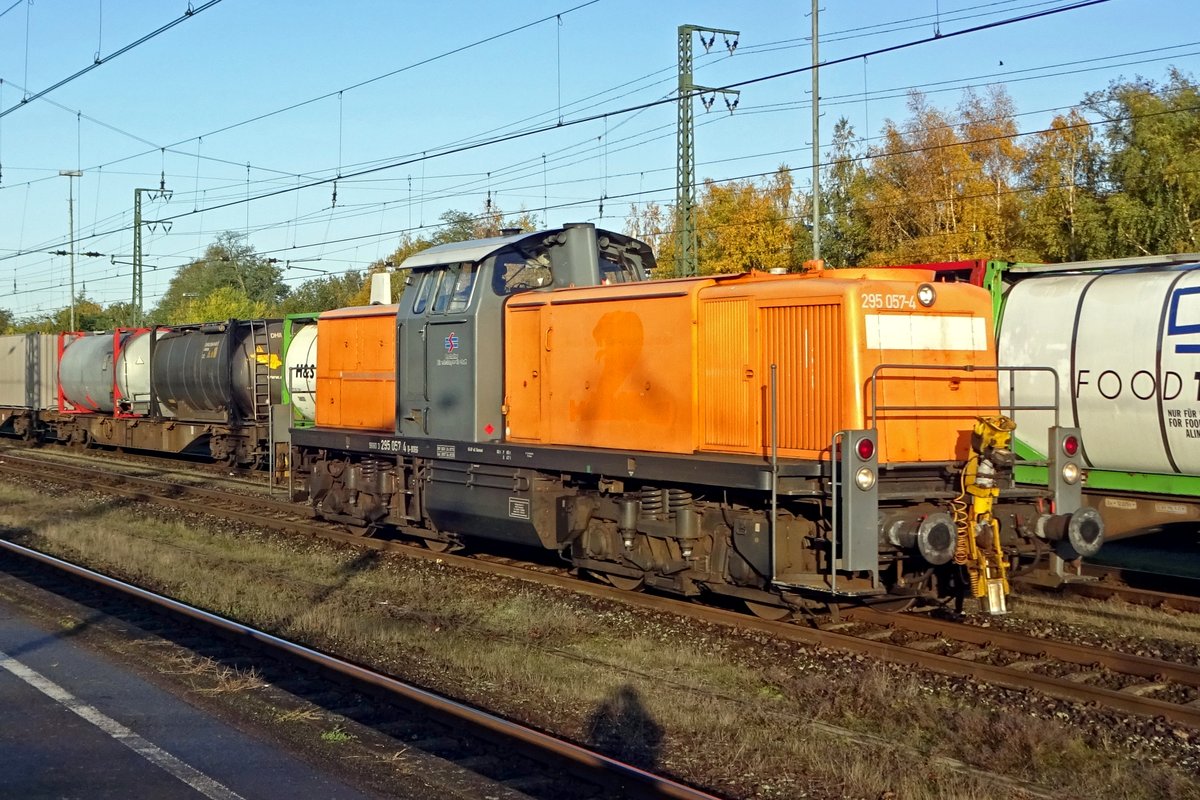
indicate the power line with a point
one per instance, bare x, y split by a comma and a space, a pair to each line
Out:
639, 107
170, 147
394, 72
393, 164
191, 12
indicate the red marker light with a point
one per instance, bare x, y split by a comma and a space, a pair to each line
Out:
488, 429
866, 449
1071, 445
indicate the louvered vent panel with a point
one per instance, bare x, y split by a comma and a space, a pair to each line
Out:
727, 416
807, 345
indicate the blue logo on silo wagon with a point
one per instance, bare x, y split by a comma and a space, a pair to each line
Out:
1177, 328
451, 343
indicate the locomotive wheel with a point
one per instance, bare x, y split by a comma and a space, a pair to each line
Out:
767, 611
895, 605
621, 582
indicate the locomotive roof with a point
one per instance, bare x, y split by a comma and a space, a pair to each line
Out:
471, 250
479, 249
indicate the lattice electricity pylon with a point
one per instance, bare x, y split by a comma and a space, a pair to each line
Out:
685, 186
155, 194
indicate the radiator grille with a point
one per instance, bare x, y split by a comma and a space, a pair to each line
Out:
807, 344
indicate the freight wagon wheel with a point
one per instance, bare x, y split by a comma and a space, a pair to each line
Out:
438, 546
768, 611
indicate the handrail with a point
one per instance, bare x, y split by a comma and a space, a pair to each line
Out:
1010, 407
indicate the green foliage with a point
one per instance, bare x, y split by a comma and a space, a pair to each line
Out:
89, 316
337, 735
228, 263
1152, 163
322, 294
1064, 212
222, 303
845, 239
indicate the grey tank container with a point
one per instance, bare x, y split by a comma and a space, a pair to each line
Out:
29, 371
86, 373
87, 368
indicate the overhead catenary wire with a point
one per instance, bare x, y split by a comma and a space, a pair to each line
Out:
247, 198
191, 12
359, 84
654, 103
716, 161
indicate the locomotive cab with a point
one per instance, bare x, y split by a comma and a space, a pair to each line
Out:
450, 354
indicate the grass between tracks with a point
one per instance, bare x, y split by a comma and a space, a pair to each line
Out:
744, 716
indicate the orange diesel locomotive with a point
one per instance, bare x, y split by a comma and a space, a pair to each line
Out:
782, 440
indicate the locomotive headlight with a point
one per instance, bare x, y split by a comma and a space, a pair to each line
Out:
926, 295
1070, 473
865, 478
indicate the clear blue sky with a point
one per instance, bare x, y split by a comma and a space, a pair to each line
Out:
159, 107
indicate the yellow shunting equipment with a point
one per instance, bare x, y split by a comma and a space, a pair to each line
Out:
978, 547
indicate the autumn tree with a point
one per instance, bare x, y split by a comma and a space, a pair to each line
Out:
654, 225
845, 237
991, 203
914, 203
740, 225
1064, 212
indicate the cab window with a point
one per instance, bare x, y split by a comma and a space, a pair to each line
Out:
454, 291
616, 272
516, 273
428, 280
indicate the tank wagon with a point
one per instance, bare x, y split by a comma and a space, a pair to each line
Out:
1125, 336
197, 389
780, 440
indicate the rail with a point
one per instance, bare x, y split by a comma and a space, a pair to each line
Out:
634, 781
892, 651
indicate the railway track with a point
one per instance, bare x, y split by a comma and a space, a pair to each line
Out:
1127, 585
516, 761
1130, 684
